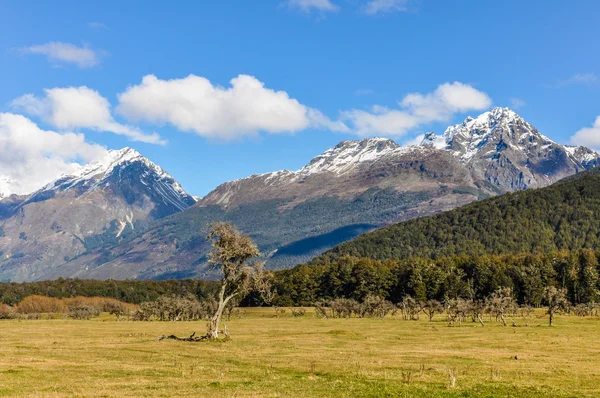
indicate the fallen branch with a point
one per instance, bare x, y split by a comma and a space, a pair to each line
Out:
192, 338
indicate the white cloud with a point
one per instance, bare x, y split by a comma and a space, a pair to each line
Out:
76, 108
385, 6
517, 103
415, 141
97, 25
417, 109
586, 79
57, 52
588, 136
313, 5
195, 104
364, 91
31, 157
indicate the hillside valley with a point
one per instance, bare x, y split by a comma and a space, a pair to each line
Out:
126, 218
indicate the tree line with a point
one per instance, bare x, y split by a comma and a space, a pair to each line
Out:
470, 277
129, 291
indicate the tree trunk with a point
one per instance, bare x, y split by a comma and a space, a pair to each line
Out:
213, 324
480, 320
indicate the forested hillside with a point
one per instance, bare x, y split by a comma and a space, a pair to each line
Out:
469, 277
564, 216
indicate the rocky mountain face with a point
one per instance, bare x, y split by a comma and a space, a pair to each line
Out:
345, 171
102, 204
506, 153
346, 191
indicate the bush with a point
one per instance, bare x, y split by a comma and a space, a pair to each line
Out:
83, 312
6, 311
296, 312
173, 308
40, 304
48, 305
375, 307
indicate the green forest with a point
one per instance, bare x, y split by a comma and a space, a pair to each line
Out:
469, 277
564, 216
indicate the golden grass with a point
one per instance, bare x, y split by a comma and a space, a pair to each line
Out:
289, 357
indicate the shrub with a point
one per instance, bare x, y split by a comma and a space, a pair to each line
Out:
296, 312
83, 312
375, 306
174, 308
6, 311
40, 304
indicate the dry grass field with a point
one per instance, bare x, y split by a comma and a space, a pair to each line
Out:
293, 357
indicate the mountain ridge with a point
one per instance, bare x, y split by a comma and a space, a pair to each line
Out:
102, 203
349, 189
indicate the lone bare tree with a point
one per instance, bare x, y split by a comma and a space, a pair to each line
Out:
557, 302
231, 255
433, 307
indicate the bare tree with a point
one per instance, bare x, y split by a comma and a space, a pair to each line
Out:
557, 302
231, 254
477, 308
433, 307
411, 308
457, 310
500, 303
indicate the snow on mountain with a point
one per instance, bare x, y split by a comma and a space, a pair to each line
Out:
587, 157
498, 130
110, 170
466, 140
433, 140
348, 154
345, 157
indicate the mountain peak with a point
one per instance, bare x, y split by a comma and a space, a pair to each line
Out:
123, 155
488, 119
348, 154
498, 126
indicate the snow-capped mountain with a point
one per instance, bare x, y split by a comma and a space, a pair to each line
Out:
356, 186
499, 151
502, 149
119, 171
586, 157
348, 155
101, 203
342, 170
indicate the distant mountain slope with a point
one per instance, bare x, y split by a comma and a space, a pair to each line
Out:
101, 204
293, 221
352, 188
565, 215
348, 190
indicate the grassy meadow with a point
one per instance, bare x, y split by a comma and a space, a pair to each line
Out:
306, 356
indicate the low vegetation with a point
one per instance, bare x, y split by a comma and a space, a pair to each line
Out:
291, 356
129, 291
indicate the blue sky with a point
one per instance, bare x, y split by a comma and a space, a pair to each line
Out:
323, 66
